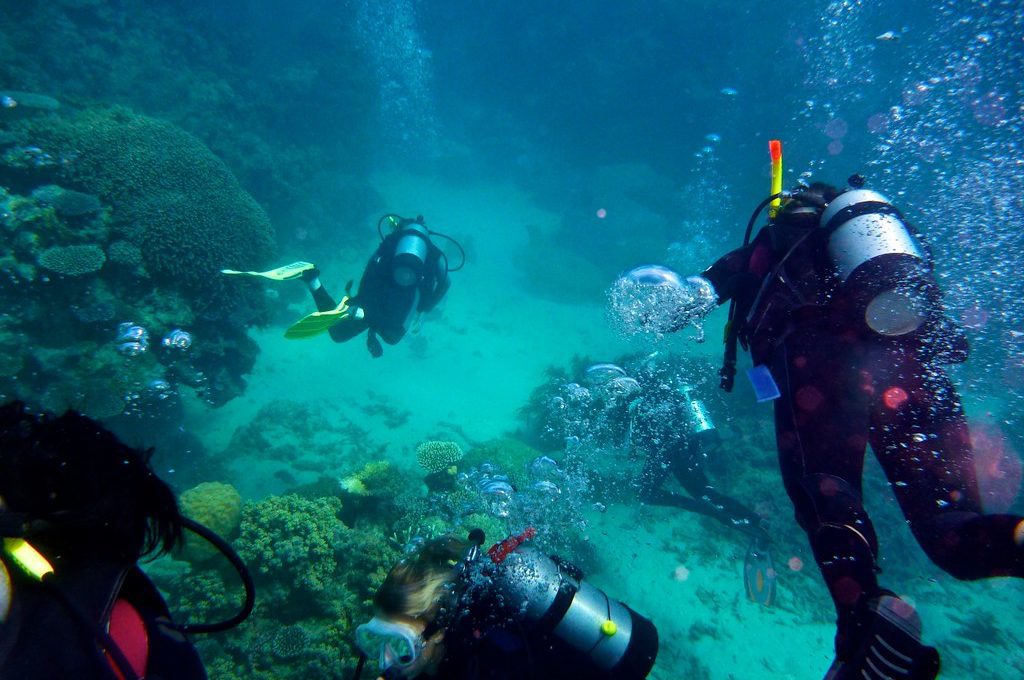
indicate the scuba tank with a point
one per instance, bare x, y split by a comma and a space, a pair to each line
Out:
409, 258
878, 262
551, 595
410, 252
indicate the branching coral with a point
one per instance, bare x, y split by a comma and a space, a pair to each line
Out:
291, 539
437, 456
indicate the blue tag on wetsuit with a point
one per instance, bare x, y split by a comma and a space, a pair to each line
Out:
763, 383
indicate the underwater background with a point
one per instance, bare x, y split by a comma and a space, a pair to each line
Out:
145, 145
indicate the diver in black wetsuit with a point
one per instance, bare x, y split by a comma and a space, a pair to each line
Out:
406, 275
673, 428
838, 304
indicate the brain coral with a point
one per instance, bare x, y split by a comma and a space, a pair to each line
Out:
438, 456
170, 195
214, 505
73, 260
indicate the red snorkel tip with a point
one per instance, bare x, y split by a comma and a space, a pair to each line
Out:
775, 149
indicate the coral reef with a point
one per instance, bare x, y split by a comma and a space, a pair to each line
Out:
169, 194
73, 260
121, 219
437, 456
315, 578
217, 506
292, 538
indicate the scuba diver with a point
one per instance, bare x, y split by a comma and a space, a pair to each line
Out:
837, 302
78, 510
453, 611
651, 406
406, 276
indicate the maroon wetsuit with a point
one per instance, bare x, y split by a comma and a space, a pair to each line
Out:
843, 386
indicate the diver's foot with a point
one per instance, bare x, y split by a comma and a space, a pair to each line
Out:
310, 275
889, 645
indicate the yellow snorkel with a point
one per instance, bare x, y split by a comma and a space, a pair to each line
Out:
775, 149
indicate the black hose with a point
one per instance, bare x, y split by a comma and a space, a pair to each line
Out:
243, 572
728, 371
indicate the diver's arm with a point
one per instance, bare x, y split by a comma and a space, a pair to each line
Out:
729, 274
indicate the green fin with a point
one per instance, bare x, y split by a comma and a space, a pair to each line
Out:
316, 323
285, 273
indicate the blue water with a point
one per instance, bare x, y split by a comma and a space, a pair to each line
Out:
561, 144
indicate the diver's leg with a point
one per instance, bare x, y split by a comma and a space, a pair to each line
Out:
324, 301
821, 427
920, 436
687, 465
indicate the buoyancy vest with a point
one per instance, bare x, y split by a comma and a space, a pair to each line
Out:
41, 639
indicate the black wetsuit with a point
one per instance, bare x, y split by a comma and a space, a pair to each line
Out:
843, 387
388, 307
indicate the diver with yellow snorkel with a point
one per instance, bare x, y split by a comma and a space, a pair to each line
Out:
406, 276
837, 301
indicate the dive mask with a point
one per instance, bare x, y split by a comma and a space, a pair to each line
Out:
392, 643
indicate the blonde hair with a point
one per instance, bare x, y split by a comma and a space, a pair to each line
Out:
415, 586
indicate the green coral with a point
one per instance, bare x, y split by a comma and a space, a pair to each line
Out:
73, 260
291, 539
437, 456
378, 478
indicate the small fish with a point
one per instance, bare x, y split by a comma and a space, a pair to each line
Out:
888, 36
729, 91
8, 102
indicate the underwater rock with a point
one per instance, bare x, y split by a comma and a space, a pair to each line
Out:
73, 260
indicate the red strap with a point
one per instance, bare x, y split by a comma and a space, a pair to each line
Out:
128, 630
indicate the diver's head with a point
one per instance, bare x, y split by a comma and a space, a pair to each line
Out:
804, 206
406, 633
80, 491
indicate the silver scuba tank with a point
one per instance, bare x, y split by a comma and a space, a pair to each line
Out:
410, 254
553, 595
877, 260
